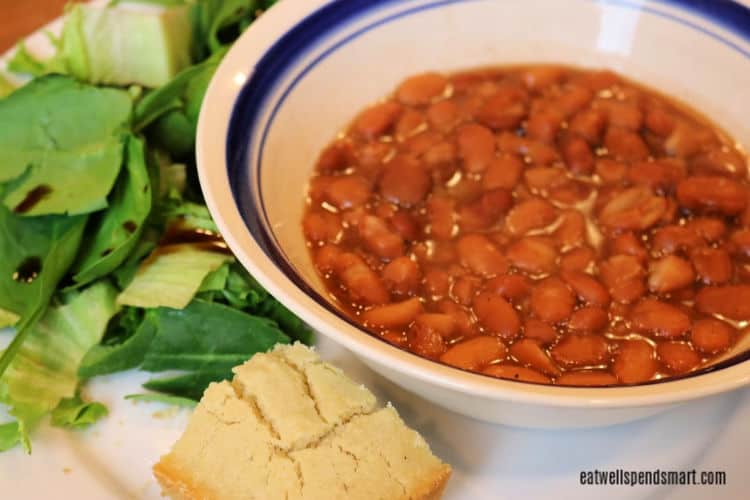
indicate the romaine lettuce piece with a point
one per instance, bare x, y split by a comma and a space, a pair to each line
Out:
171, 276
6, 88
61, 146
45, 369
75, 413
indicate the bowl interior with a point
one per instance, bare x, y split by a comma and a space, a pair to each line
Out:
360, 53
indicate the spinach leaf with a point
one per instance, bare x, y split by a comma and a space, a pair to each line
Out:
61, 145
120, 227
129, 353
162, 398
190, 385
208, 336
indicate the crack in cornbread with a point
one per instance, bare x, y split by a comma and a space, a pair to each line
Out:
292, 427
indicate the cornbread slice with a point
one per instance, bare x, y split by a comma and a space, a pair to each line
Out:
292, 427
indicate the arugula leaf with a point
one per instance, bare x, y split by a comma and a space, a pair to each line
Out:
74, 413
171, 276
36, 254
45, 369
61, 145
162, 398
120, 227
208, 336
105, 359
190, 385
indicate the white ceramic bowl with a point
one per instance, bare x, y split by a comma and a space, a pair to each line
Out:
300, 73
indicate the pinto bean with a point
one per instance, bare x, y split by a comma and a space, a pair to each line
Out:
709, 228
505, 109
661, 175
410, 123
589, 124
379, 238
677, 357
531, 214
476, 353
437, 283
326, 258
464, 289
481, 256
578, 156
552, 301
528, 352
621, 114
712, 265
401, 276
711, 336
377, 120
686, 140
533, 255
740, 242
633, 209
337, 156
544, 124
731, 301
420, 143
635, 362
421, 89
577, 259
485, 211
587, 378
540, 331
720, 161
444, 115
660, 122
574, 98
623, 275
476, 146
587, 288
397, 314
572, 229
712, 194
588, 319
496, 315
610, 171
502, 172
347, 192
670, 239
625, 145
670, 273
444, 324
659, 319
425, 341
539, 77
513, 287
542, 179
629, 244
576, 350
404, 182
321, 226
440, 213
405, 226
465, 326
515, 372
363, 284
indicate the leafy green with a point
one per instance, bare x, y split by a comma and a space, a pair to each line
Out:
119, 229
45, 368
11, 434
23, 62
124, 355
171, 276
64, 141
216, 280
214, 16
6, 88
74, 413
189, 385
162, 398
36, 253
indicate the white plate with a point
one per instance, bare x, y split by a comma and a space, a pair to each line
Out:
113, 459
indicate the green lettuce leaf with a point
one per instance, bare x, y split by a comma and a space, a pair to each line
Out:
74, 413
124, 355
45, 369
6, 88
171, 276
12, 434
119, 229
61, 145
216, 280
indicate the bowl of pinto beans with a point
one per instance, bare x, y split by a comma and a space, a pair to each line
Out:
530, 212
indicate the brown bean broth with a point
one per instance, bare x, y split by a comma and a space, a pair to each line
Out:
589, 142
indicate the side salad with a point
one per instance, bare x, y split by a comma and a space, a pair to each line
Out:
109, 259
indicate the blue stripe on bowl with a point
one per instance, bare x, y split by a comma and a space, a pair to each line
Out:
299, 40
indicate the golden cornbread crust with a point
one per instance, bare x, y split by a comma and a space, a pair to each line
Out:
292, 427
